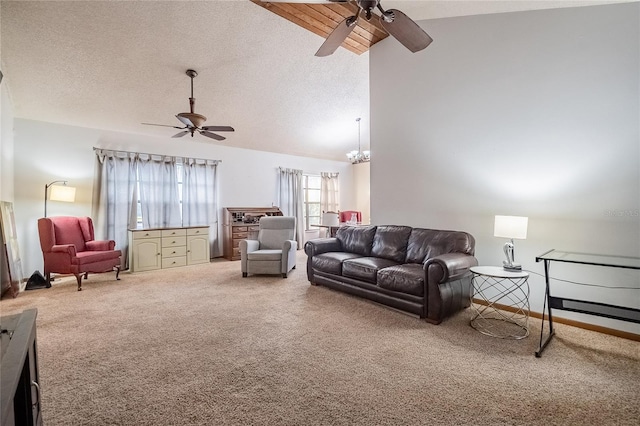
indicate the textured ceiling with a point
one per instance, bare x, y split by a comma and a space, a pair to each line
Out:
115, 64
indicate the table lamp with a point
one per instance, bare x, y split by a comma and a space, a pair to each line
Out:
510, 227
58, 193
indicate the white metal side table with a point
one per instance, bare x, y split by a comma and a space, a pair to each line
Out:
503, 310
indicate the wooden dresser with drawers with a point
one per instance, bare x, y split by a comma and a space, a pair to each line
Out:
162, 248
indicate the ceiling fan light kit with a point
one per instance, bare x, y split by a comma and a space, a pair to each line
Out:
193, 122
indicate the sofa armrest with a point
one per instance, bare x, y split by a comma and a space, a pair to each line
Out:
289, 245
449, 266
289, 249
247, 246
100, 245
322, 245
69, 249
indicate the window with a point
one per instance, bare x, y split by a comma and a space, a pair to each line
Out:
138, 205
312, 212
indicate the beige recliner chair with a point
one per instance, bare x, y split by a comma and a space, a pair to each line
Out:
274, 252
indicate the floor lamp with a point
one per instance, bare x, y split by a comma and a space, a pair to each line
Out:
58, 193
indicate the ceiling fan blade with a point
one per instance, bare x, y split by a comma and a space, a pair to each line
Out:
212, 135
185, 121
405, 30
180, 134
338, 35
163, 125
219, 128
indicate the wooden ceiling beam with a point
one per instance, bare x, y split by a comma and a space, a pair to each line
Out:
322, 19
284, 10
303, 20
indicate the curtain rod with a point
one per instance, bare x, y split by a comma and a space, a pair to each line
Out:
146, 153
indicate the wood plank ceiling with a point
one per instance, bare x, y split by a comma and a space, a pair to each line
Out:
323, 18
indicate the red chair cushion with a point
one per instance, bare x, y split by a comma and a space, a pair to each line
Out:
86, 257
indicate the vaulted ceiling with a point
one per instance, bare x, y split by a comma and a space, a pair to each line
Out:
116, 64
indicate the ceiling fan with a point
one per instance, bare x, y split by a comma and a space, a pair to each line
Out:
396, 23
193, 122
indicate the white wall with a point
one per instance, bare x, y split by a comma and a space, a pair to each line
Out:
532, 114
362, 186
6, 143
45, 152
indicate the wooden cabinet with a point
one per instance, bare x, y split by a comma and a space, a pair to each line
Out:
145, 250
151, 249
241, 223
20, 385
174, 248
198, 245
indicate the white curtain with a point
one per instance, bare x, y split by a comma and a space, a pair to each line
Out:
329, 192
199, 198
115, 198
159, 198
292, 199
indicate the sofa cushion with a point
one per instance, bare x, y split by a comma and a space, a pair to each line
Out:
429, 243
331, 262
365, 268
265, 254
407, 278
390, 242
356, 239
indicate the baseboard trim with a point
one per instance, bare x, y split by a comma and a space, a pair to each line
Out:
573, 323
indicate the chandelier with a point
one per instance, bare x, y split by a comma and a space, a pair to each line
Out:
357, 157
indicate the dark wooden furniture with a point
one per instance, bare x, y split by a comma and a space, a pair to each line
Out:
20, 390
240, 223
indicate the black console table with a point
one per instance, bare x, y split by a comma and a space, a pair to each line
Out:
19, 388
585, 307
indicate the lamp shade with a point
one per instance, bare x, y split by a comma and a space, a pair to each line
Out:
63, 193
330, 219
511, 227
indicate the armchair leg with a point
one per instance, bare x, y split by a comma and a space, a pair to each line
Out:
284, 275
79, 279
117, 273
244, 275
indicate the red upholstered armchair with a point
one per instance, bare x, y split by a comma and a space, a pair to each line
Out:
68, 247
345, 216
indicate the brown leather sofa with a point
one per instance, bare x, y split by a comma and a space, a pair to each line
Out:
421, 271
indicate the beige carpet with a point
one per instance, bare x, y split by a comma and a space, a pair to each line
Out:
203, 346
